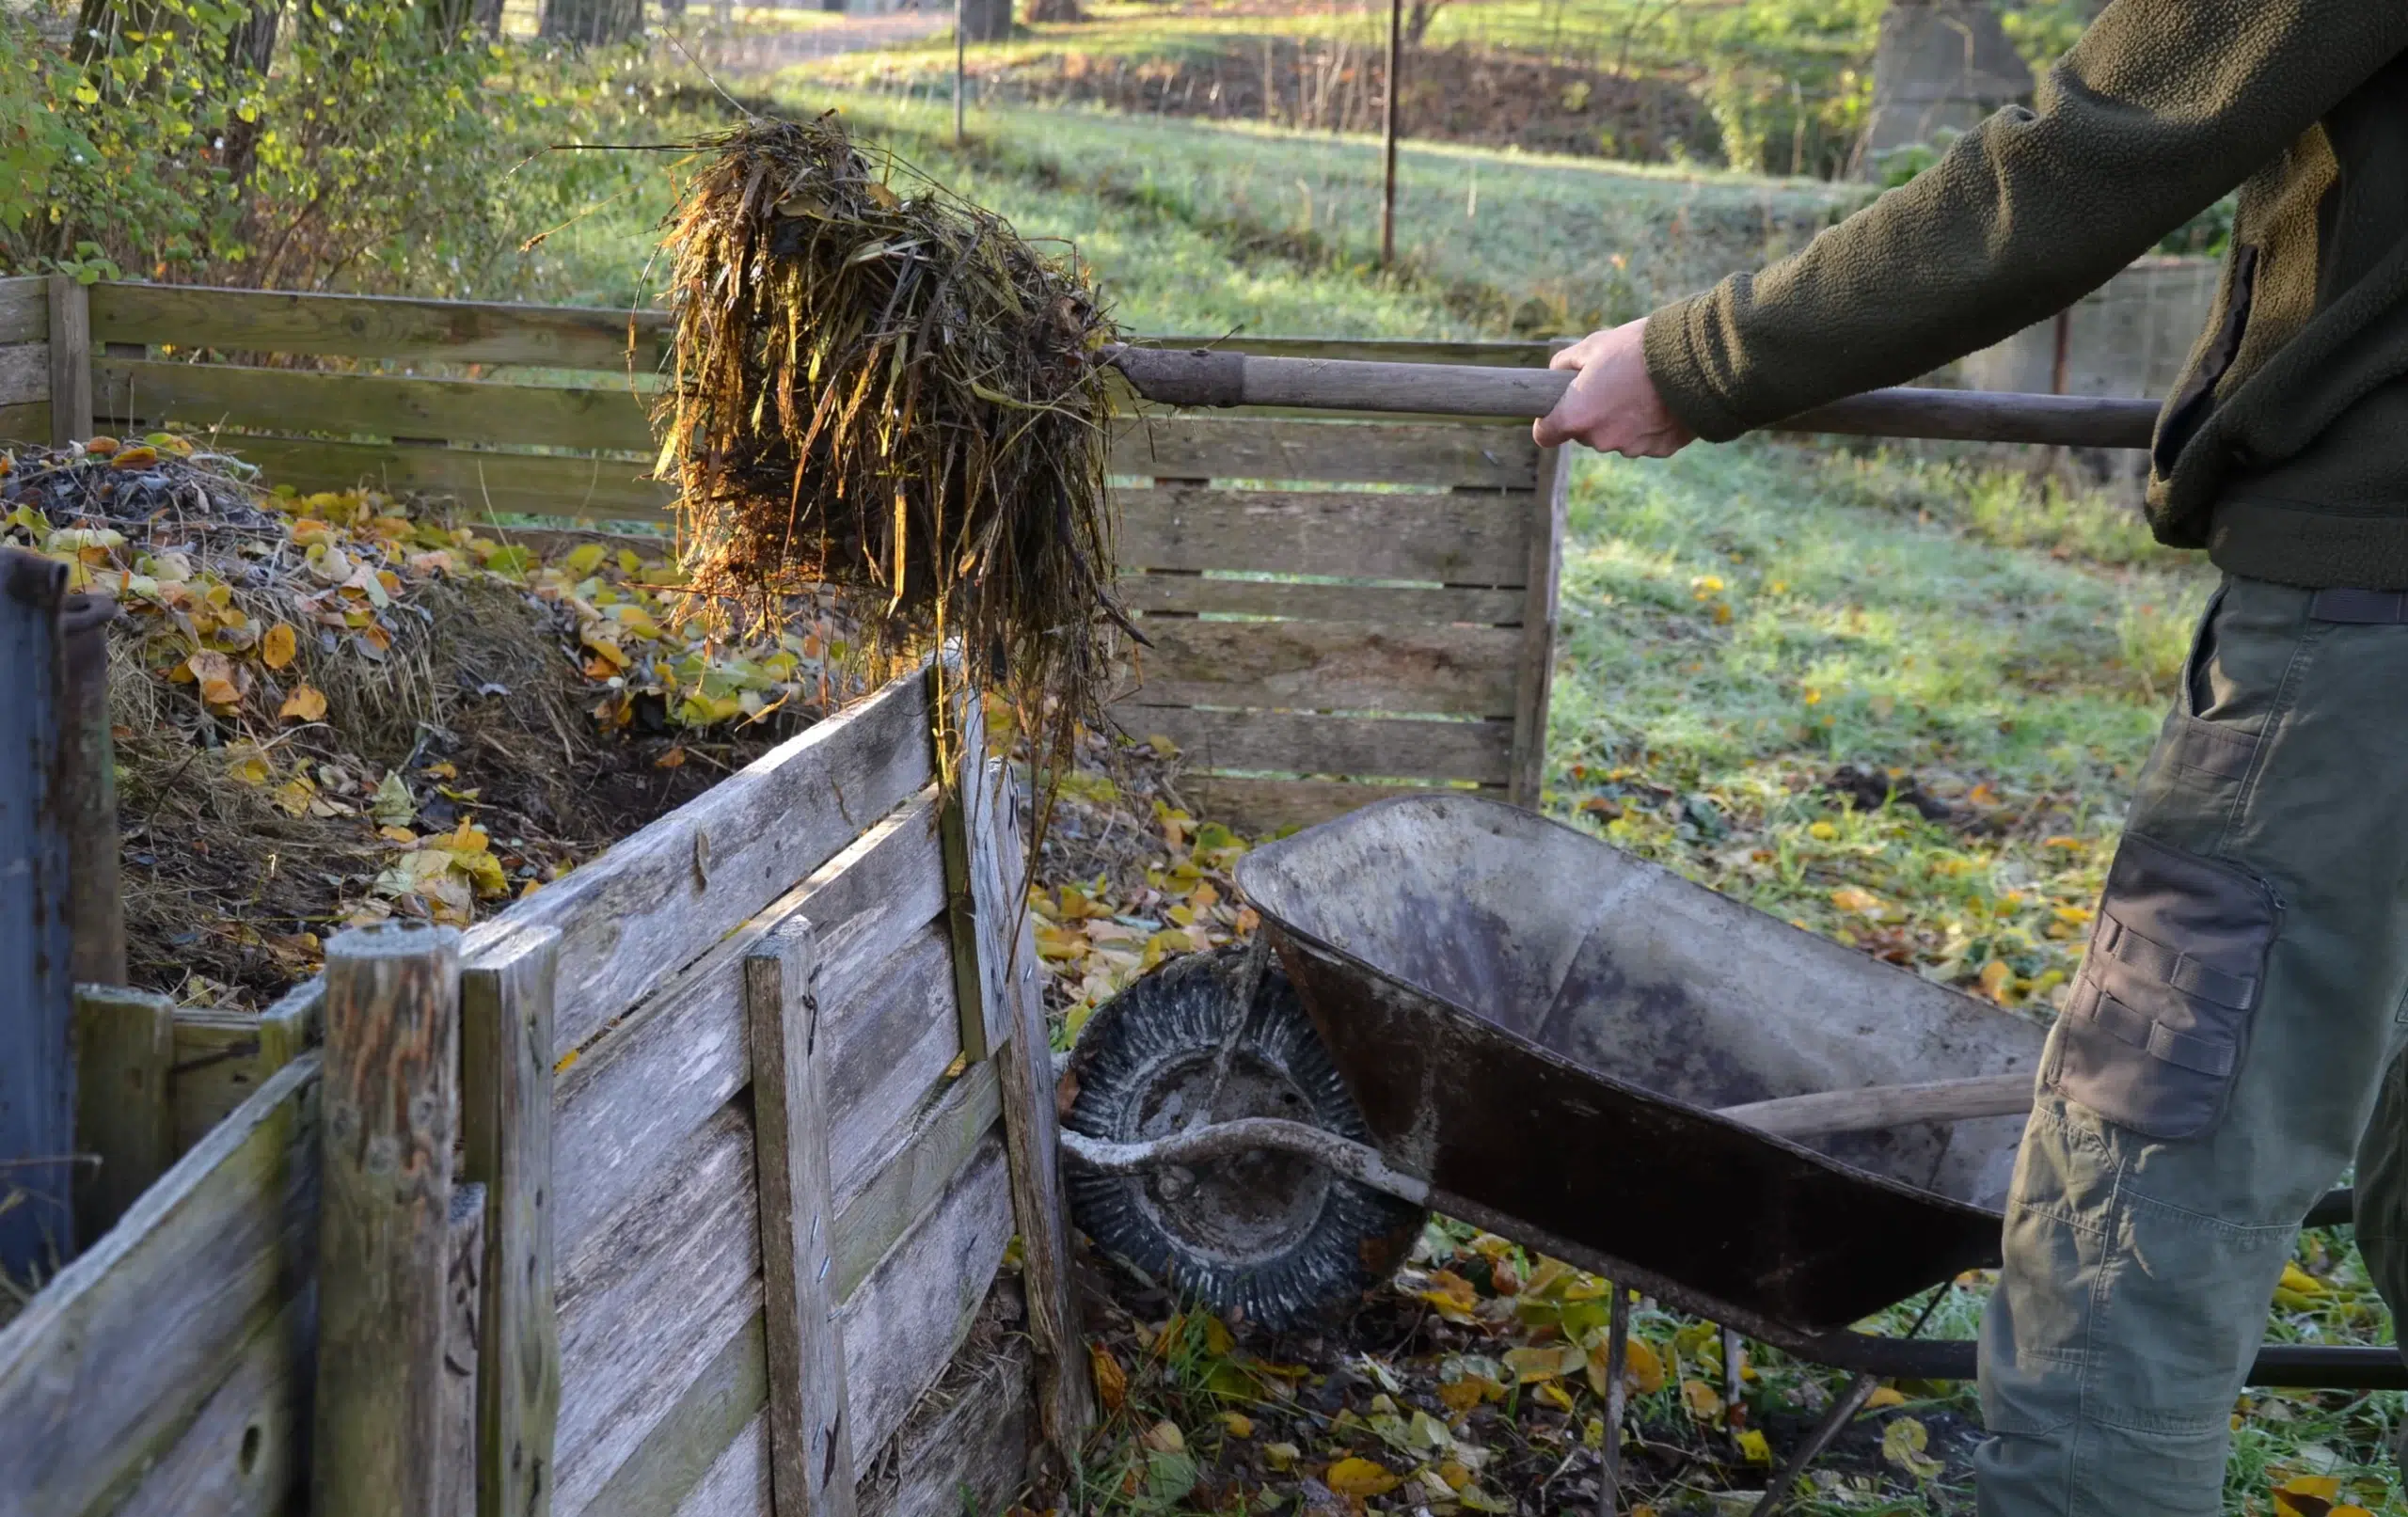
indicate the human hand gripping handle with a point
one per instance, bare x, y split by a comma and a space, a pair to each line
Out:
1611, 404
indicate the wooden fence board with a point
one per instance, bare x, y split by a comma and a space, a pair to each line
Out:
112, 1360
903, 1324
25, 423
680, 1057
124, 1115
1327, 666
70, 361
374, 326
24, 309
1493, 355
738, 1482
1193, 595
1535, 671
1258, 807
538, 484
25, 374
692, 1463
1194, 447
910, 1175
890, 1049
1436, 539
241, 1454
1279, 743
656, 900
651, 1396
222, 1058
968, 1452
212, 395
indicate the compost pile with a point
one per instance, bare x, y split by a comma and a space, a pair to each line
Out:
880, 386
339, 707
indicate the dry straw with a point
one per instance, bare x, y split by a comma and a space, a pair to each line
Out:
880, 386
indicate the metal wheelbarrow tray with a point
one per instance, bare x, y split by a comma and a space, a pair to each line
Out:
1536, 1030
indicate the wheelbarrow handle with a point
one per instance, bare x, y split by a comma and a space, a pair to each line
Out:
1886, 1106
1214, 377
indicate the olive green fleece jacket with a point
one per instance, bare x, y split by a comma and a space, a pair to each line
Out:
2283, 451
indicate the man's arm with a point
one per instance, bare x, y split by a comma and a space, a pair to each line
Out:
2163, 106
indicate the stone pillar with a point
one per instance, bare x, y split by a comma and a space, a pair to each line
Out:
1942, 66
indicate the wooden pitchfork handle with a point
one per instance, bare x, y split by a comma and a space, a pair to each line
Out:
1828, 1112
1214, 377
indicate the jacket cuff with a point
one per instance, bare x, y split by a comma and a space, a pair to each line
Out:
1680, 375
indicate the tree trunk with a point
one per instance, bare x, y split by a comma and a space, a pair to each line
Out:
1055, 10
592, 22
986, 20
486, 14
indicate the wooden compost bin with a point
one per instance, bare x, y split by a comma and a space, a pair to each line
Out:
1339, 606
674, 1273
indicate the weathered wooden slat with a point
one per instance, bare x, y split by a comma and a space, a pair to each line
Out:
912, 1171
149, 393
1259, 806
1534, 673
600, 488
656, 901
222, 1057
965, 1448
392, 1102
464, 1285
25, 374
893, 1049
110, 1362
70, 360
681, 1055
810, 1452
903, 1324
506, 1108
976, 908
1198, 446
738, 1482
1194, 594
1502, 354
28, 422
1436, 539
24, 309
692, 1463
241, 1454
374, 326
1273, 742
124, 1047
648, 1384
1033, 1145
1327, 666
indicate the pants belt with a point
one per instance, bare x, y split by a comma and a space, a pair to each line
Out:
2364, 606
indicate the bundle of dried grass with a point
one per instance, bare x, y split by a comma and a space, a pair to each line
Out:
880, 386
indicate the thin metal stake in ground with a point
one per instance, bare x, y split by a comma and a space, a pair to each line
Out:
1387, 132
1617, 1399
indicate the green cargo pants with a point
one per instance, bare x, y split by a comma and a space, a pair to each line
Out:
2234, 1036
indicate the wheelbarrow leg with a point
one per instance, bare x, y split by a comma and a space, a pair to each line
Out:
1842, 1412
1240, 1014
1617, 1397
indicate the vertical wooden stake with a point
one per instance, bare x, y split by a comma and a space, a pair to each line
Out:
811, 1442
1032, 1141
70, 360
1617, 1400
463, 1339
1388, 130
1534, 675
391, 1104
980, 891
125, 1042
506, 1128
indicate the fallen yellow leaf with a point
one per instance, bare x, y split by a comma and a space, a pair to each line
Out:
1752, 1447
1701, 1399
1886, 1396
1237, 1423
277, 645
1853, 898
1357, 1476
1111, 1381
1164, 1438
305, 704
1281, 1456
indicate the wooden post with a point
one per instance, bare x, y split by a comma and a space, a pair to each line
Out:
978, 897
506, 1124
36, 1068
1032, 1148
811, 1442
88, 791
70, 360
462, 1349
1387, 132
391, 1108
1534, 676
125, 1042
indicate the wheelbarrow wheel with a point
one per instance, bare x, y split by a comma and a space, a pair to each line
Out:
1266, 1236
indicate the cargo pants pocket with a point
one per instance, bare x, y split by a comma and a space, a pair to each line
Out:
2160, 1016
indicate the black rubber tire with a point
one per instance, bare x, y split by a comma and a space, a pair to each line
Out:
1308, 1241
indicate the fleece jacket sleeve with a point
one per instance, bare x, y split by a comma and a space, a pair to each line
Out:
2161, 108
